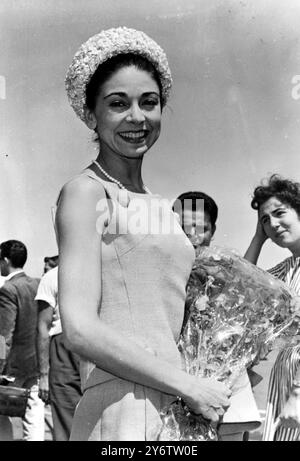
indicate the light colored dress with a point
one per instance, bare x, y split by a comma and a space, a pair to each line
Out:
285, 366
144, 276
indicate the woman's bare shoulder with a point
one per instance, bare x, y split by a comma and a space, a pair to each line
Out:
81, 188
82, 202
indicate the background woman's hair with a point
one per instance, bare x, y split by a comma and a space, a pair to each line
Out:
285, 190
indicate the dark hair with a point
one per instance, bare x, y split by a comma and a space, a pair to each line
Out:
15, 251
105, 70
285, 190
51, 260
187, 198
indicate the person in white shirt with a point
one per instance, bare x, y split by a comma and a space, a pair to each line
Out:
59, 382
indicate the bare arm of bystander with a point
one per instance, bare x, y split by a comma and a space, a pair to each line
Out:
43, 345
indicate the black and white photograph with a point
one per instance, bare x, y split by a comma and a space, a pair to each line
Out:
150, 223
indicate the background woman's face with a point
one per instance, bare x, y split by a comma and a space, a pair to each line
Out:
281, 223
128, 113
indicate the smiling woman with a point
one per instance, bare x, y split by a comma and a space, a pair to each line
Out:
281, 224
126, 114
123, 313
278, 206
124, 103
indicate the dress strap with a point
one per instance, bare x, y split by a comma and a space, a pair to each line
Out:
108, 187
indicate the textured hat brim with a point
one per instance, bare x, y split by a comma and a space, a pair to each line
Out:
103, 46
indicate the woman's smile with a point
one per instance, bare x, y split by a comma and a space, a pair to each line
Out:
134, 137
281, 223
280, 233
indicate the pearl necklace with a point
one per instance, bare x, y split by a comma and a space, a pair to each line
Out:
115, 180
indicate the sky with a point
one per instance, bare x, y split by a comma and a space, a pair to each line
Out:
233, 117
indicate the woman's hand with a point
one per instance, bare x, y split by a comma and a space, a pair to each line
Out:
253, 252
290, 415
260, 235
210, 398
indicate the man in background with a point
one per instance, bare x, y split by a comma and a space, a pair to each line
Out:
18, 327
59, 368
198, 214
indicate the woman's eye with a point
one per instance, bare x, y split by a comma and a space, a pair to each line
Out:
150, 102
117, 104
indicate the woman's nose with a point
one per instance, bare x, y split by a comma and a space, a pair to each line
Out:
274, 223
135, 115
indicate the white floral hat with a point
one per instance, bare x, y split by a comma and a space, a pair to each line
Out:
104, 46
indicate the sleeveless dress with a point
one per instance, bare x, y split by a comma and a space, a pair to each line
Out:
146, 262
285, 366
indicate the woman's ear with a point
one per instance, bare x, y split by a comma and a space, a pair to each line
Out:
90, 119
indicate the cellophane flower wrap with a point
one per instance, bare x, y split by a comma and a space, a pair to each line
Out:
232, 309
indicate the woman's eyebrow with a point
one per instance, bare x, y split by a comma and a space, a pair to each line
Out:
149, 93
116, 93
279, 208
122, 94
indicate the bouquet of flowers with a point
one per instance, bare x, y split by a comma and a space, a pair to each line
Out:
232, 309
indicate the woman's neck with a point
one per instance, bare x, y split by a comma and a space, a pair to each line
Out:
126, 171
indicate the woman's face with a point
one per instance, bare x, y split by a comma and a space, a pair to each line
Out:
127, 114
281, 223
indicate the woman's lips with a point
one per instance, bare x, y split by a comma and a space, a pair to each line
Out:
134, 136
279, 234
